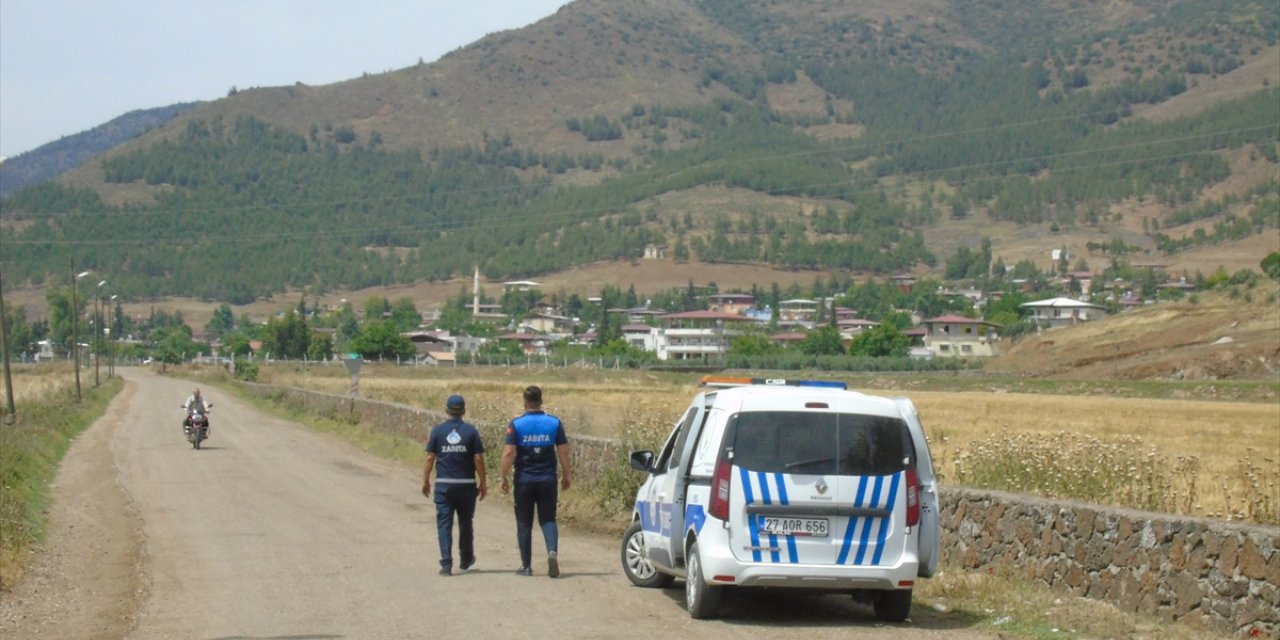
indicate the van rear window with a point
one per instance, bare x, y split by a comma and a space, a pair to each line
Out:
815, 443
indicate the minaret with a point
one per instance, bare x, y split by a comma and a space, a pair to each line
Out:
475, 292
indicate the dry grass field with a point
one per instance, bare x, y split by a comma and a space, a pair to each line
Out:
1215, 456
1221, 441
32, 382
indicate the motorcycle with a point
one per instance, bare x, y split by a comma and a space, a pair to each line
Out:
196, 426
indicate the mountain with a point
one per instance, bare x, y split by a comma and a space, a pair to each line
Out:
70, 152
868, 138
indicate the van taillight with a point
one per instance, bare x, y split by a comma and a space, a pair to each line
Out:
720, 483
913, 498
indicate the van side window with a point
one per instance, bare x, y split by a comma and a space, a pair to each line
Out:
679, 434
686, 428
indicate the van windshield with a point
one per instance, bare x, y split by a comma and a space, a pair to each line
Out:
813, 443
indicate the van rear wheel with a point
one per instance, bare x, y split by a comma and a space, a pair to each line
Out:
893, 606
636, 564
702, 599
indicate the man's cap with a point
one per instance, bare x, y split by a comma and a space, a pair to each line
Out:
455, 403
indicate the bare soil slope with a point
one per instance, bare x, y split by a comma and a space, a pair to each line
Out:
1210, 336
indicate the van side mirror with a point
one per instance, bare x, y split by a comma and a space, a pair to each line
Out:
642, 460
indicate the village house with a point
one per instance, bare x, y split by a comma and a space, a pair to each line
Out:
531, 344
788, 339
697, 335
904, 281
916, 348
952, 336
642, 314
734, 303
1064, 312
544, 322
1180, 284
797, 310
640, 336
851, 327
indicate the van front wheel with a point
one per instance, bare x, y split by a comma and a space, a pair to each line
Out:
893, 606
636, 564
702, 599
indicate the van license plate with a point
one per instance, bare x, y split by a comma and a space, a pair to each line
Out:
815, 527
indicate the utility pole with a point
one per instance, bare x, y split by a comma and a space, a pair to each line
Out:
75, 331
4, 350
97, 333
75, 324
111, 337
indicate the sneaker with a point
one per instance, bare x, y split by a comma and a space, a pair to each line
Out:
446, 571
553, 565
524, 571
467, 563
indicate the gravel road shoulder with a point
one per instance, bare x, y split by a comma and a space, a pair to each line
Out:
86, 580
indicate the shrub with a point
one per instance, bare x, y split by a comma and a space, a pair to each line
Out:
246, 370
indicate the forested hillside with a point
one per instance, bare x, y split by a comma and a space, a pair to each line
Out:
823, 135
58, 157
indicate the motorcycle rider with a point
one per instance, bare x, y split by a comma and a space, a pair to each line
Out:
195, 403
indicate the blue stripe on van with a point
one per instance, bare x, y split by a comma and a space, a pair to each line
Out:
695, 516
766, 498
764, 488
792, 553
751, 519
884, 522
866, 529
853, 522
782, 488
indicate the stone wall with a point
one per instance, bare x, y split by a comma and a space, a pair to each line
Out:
1211, 573
591, 456
1216, 574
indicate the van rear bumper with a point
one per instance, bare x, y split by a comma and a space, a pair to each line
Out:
820, 577
721, 567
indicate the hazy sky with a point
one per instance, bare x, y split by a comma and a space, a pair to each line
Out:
70, 65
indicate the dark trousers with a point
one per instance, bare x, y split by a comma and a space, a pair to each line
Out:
460, 499
542, 497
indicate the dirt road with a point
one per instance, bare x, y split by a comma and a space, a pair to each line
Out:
274, 531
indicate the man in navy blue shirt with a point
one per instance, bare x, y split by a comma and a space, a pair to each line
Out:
535, 442
456, 452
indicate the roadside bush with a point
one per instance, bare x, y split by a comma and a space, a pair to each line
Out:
247, 370
1271, 265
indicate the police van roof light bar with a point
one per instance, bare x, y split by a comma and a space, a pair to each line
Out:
729, 381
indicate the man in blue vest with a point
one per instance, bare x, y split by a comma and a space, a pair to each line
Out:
535, 442
456, 452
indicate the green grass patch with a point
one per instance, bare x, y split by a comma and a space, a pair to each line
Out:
30, 451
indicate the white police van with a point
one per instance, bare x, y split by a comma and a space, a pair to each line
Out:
792, 484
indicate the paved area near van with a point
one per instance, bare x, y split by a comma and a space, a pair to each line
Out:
274, 531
